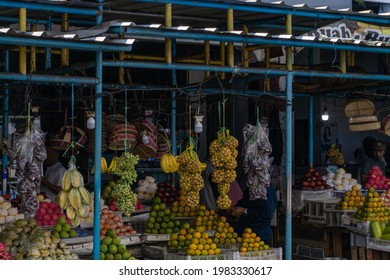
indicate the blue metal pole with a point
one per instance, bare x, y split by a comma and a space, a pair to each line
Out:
311, 129
48, 50
47, 79
98, 144
62, 43
48, 8
281, 10
245, 39
173, 103
5, 124
44, 21
289, 121
227, 69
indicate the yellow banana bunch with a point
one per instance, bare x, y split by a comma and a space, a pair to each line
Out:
103, 166
168, 163
73, 196
112, 167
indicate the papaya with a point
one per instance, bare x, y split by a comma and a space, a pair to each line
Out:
385, 236
386, 230
376, 230
383, 226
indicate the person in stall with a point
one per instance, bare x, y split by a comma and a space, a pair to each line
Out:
256, 214
51, 181
378, 150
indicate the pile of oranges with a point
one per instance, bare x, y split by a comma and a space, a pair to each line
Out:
250, 242
195, 242
352, 200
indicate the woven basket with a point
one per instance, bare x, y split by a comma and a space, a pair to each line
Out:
121, 141
145, 152
365, 126
63, 138
365, 119
359, 108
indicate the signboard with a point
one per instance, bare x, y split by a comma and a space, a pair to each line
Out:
353, 30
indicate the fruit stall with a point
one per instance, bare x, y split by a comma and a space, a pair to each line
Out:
135, 138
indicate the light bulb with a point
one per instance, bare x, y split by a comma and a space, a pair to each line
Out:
325, 115
145, 139
198, 127
91, 123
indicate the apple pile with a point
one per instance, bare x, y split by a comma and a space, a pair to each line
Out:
313, 181
48, 213
376, 179
166, 192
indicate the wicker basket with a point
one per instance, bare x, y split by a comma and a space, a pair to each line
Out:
64, 137
365, 126
359, 108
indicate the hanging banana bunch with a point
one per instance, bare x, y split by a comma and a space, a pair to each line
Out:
112, 167
168, 163
103, 166
73, 196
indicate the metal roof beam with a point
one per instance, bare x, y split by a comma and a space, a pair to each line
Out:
6, 39
248, 39
277, 10
239, 70
48, 79
48, 8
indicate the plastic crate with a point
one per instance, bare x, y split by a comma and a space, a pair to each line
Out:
304, 251
335, 217
154, 252
362, 227
317, 253
272, 254
378, 244
148, 237
358, 239
81, 249
131, 239
136, 251
314, 210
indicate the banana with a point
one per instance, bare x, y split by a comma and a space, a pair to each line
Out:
163, 163
103, 164
111, 168
175, 163
93, 170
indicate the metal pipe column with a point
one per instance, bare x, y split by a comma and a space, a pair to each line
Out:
288, 235
289, 146
311, 130
98, 143
5, 125
48, 50
22, 49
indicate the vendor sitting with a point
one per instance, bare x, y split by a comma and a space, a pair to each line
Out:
376, 158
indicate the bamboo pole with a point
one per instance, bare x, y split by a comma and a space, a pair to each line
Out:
207, 57
168, 41
343, 61
22, 49
64, 28
245, 53
33, 53
121, 70
230, 46
223, 59
289, 49
267, 65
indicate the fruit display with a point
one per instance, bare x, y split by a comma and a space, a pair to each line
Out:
180, 208
385, 196
313, 181
86, 219
73, 195
376, 179
161, 220
351, 200
63, 230
28, 155
107, 191
4, 254
373, 208
334, 155
28, 241
257, 162
112, 249
223, 154
111, 221
206, 218
250, 242
195, 242
8, 214
190, 171
125, 168
224, 233
168, 163
146, 189
341, 181
48, 213
167, 192
103, 166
